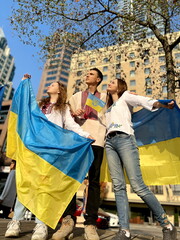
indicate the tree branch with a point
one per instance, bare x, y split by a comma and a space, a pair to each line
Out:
98, 30
175, 43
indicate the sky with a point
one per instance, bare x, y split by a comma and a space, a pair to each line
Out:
26, 57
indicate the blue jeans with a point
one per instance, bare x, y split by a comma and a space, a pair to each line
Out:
19, 212
122, 153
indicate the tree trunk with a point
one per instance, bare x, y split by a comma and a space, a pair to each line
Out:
170, 71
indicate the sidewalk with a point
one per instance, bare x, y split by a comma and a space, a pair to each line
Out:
139, 232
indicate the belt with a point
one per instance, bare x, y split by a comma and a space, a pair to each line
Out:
113, 134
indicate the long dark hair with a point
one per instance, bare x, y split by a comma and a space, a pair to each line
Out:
61, 101
122, 87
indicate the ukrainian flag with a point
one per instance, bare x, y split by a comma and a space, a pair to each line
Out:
51, 161
2, 88
94, 102
158, 139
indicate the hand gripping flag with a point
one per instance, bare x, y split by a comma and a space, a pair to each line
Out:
94, 102
51, 161
158, 139
1, 94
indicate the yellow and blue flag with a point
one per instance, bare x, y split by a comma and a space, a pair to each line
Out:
158, 138
94, 102
2, 88
52, 162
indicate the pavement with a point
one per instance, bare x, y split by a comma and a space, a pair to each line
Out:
138, 231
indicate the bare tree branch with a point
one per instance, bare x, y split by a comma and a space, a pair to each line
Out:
175, 43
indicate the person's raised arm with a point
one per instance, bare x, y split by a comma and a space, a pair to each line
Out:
170, 105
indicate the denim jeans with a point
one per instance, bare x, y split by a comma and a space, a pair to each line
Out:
122, 153
19, 212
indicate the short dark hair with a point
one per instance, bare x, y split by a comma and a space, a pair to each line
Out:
100, 75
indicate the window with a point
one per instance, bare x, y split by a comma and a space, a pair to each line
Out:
68, 52
93, 62
105, 77
68, 57
65, 67
78, 81
161, 58
104, 86
118, 57
146, 52
58, 45
50, 78
53, 66
178, 64
164, 89
163, 68
65, 73
66, 62
156, 189
52, 72
118, 75
160, 49
132, 64
149, 91
79, 73
146, 61
148, 81
147, 70
163, 79
134, 91
132, 73
80, 64
105, 60
177, 55
47, 84
105, 69
132, 55
132, 82
63, 79
118, 66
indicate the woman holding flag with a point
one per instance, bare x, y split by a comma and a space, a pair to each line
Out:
122, 153
57, 111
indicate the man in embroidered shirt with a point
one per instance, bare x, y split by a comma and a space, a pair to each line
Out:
94, 122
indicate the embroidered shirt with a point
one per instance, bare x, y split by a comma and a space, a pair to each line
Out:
118, 116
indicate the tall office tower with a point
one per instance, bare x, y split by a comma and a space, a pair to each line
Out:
7, 67
132, 31
57, 68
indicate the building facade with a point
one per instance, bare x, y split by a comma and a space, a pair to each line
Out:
7, 70
57, 68
141, 63
7, 67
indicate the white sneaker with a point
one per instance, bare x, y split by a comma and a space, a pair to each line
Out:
40, 232
90, 232
13, 229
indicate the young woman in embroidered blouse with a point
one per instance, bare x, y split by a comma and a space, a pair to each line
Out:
57, 111
122, 153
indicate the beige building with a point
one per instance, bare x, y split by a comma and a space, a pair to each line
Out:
142, 65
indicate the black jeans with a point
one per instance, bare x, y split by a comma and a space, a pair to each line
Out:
93, 199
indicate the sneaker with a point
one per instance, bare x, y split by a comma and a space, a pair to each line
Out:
13, 229
66, 229
169, 234
40, 232
121, 235
90, 232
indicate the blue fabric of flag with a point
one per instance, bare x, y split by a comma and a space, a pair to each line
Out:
64, 149
157, 126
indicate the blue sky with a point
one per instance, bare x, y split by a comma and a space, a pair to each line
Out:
26, 57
